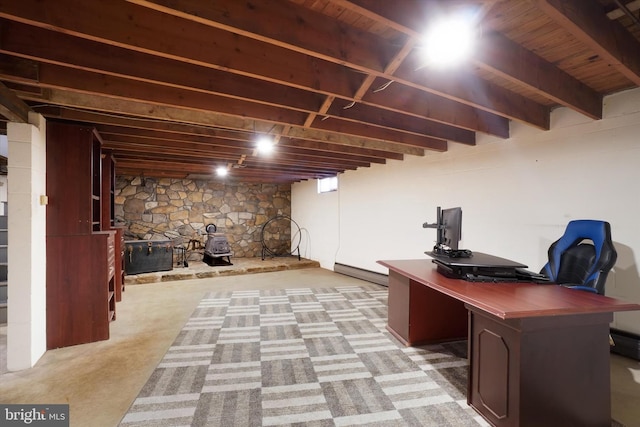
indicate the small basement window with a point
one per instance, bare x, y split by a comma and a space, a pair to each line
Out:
326, 185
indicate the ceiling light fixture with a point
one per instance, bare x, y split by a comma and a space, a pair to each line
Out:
450, 40
222, 171
265, 145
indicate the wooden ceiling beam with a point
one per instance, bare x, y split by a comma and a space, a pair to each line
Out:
140, 124
235, 175
206, 119
495, 52
62, 49
177, 147
238, 140
237, 21
399, 97
40, 44
123, 144
352, 128
137, 28
315, 145
104, 100
328, 169
162, 145
300, 168
286, 25
21, 70
360, 113
123, 152
587, 21
503, 57
171, 174
482, 94
131, 27
324, 155
411, 18
242, 140
58, 77
12, 107
133, 161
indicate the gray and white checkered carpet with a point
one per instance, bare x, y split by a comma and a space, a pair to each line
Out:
312, 357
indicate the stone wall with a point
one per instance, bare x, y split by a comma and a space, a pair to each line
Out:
180, 209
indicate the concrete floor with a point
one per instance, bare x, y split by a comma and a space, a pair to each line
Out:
100, 380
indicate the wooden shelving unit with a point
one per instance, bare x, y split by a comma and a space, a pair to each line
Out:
108, 218
81, 251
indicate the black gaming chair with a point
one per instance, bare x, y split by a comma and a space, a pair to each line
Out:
582, 257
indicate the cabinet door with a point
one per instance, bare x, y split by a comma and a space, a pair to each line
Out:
69, 179
77, 290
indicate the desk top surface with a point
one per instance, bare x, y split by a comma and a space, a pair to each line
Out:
509, 300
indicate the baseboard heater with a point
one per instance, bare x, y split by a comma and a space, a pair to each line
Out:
362, 274
626, 344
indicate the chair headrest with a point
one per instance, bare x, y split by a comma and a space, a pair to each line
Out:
599, 232
577, 230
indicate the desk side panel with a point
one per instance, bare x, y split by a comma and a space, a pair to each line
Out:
420, 315
434, 316
398, 307
541, 371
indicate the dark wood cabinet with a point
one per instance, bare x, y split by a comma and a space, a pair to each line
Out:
108, 217
81, 252
73, 198
540, 371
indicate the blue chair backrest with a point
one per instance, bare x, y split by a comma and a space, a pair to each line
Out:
577, 231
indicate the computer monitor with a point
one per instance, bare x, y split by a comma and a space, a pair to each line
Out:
449, 232
451, 226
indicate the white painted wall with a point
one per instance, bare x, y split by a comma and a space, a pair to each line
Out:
319, 224
517, 196
27, 315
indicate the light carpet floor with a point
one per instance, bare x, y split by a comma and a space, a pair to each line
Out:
312, 357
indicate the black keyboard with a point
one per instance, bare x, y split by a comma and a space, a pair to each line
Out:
526, 275
470, 277
537, 279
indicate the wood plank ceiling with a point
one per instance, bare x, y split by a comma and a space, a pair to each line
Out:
178, 88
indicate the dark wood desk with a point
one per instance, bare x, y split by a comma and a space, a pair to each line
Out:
538, 354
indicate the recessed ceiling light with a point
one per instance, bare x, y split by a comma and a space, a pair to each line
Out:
265, 145
450, 41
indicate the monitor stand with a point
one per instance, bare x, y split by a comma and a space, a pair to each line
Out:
451, 253
480, 264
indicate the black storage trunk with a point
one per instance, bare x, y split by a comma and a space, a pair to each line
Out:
147, 256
